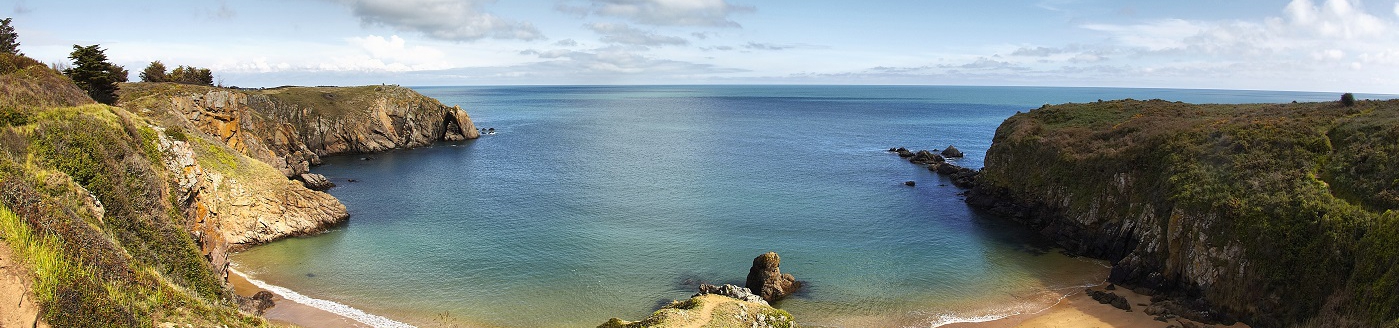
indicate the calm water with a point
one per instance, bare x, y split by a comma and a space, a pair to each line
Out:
595, 202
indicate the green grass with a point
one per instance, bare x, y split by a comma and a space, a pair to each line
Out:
1309, 190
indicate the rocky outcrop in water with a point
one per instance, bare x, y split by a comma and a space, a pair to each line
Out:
961, 177
766, 280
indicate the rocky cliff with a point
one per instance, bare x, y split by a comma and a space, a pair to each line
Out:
290, 128
1277, 215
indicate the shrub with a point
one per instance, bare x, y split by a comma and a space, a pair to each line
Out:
1348, 99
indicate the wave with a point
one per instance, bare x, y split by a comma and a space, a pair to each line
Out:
1020, 308
328, 306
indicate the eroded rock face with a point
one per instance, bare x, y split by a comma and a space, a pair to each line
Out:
767, 281
231, 208
292, 133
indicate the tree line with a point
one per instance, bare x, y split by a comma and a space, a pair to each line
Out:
92, 72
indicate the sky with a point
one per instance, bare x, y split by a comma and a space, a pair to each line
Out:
1301, 45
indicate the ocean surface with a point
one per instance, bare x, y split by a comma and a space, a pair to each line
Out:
592, 202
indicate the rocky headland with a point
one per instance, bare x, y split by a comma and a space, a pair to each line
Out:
1276, 215
124, 215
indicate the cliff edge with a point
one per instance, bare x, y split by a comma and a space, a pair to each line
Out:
1274, 214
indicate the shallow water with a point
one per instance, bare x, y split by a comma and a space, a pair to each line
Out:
598, 202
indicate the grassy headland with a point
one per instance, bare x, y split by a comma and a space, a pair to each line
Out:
1278, 214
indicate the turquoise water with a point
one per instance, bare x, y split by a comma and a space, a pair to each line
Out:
598, 202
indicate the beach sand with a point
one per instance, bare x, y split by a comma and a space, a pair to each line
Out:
291, 313
1081, 311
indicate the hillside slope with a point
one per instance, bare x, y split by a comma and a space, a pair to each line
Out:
124, 218
1276, 214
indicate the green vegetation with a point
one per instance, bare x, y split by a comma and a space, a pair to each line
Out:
711, 311
155, 72
191, 75
1348, 99
92, 72
1309, 191
9, 40
86, 203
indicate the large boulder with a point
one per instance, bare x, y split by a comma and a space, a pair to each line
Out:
952, 151
767, 281
316, 182
926, 157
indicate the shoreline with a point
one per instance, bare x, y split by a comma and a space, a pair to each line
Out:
1078, 309
292, 308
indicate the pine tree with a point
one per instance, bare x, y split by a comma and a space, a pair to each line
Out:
9, 41
93, 73
154, 73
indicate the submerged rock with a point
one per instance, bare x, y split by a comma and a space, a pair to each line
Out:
910, 183
768, 281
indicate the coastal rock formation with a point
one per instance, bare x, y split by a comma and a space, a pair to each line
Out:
710, 310
961, 177
257, 304
743, 294
952, 151
1266, 213
767, 281
232, 202
290, 128
315, 182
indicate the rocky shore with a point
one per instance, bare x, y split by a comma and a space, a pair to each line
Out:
1220, 213
729, 305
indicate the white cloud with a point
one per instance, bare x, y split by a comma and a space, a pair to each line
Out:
712, 13
453, 20
625, 34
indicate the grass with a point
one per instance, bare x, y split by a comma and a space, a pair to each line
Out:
131, 263
1308, 190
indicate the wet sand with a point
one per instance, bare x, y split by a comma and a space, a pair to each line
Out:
1081, 311
291, 313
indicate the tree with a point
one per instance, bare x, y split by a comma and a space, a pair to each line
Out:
9, 42
154, 73
93, 73
1348, 99
192, 75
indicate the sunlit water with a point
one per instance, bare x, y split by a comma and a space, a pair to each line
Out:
598, 202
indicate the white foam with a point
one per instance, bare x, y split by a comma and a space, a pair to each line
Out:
328, 306
944, 319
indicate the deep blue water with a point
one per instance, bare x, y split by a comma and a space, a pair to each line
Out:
598, 201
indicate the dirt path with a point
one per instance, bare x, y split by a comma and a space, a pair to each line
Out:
17, 306
703, 316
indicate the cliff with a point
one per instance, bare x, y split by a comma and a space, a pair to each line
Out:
124, 216
1275, 214
290, 128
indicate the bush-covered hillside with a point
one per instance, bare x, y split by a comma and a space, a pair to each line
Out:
86, 204
1279, 214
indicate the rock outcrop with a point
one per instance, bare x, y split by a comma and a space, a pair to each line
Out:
952, 151
290, 128
232, 202
740, 293
961, 177
1265, 213
766, 280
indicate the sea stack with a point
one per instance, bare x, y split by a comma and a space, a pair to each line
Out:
767, 281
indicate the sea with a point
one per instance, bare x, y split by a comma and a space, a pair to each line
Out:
593, 202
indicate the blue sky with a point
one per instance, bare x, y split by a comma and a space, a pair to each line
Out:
1309, 45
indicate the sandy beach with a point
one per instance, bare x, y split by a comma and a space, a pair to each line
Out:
287, 312
1081, 311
